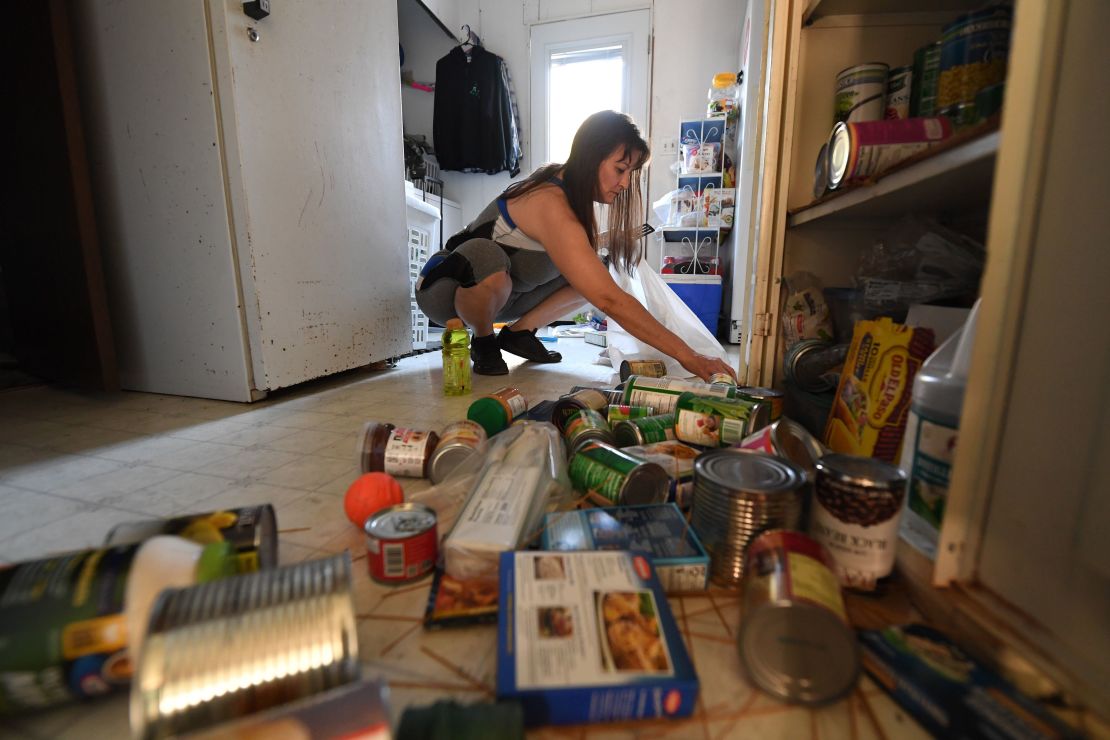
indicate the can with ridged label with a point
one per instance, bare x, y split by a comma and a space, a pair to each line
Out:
401, 543
586, 425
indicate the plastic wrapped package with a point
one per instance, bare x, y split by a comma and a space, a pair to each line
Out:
522, 477
805, 315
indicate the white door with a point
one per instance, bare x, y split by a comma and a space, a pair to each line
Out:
582, 66
310, 108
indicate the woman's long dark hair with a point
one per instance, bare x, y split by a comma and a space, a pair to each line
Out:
599, 136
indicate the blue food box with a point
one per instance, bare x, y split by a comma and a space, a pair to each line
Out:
658, 530
948, 692
589, 637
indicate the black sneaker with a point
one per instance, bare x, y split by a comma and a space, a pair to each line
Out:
487, 356
524, 343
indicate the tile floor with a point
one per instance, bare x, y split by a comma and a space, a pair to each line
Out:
74, 464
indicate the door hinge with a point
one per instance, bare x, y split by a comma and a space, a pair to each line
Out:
761, 326
651, 44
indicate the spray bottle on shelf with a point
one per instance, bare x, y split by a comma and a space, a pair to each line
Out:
456, 359
929, 445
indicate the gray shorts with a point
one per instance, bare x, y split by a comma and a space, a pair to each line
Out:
534, 277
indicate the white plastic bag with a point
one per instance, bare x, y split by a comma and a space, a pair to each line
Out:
669, 310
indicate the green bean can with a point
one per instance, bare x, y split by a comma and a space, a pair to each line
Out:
586, 425
662, 393
601, 470
622, 412
718, 422
645, 431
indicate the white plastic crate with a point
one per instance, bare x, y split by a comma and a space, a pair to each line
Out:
422, 218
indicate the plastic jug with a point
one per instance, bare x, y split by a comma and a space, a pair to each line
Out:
932, 429
456, 359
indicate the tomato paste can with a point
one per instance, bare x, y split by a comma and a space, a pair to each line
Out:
898, 89
567, 406
399, 451
858, 151
644, 431
241, 645
459, 442
622, 412
790, 440
614, 477
586, 425
857, 507
662, 393
646, 368
401, 543
717, 422
795, 640
861, 92
774, 399
251, 531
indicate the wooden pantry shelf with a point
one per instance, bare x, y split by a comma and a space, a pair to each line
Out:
817, 9
953, 176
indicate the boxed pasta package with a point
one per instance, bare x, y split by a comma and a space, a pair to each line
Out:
588, 637
872, 403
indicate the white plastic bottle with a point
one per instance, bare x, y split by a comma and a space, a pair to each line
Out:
929, 445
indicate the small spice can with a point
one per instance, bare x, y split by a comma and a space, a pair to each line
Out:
586, 425
568, 405
622, 412
399, 451
774, 399
459, 442
401, 543
614, 477
644, 431
795, 641
855, 514
646, 368
717, 422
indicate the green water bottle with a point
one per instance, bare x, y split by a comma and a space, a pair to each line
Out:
456, 359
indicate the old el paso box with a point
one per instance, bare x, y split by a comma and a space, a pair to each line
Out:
589, 637
951, 695
658, 530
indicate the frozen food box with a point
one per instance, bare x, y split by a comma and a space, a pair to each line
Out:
658, 530
588, 637
948, 692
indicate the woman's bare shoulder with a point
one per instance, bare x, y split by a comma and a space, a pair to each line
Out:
540, 204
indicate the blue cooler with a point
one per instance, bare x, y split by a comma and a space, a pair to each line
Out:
702, 293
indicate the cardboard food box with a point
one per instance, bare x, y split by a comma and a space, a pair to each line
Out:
657, 530
872, 403
589, 637
950, 694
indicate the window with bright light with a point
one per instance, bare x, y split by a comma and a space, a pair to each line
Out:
582, 81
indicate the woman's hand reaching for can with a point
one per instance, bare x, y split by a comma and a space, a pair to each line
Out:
704, 366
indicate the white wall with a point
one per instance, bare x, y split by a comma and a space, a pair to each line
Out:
693, 41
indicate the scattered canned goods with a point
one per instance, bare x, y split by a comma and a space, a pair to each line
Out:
926, 69
717, 422
385, 448
856, 510
790, 440
250, 530
567, 406
622, 412
860, 92
459, 442
644, 431
795, 640
645, 368
858, 151
722, 379
662, 393
496, 411
737, 495
240, 645
401, 543
770, 396
898, 89
616, 477
586, 425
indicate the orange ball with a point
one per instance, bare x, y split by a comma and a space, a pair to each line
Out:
370, 493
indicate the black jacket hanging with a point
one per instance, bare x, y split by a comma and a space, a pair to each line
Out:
473, 126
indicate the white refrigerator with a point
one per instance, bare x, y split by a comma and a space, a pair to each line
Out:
249, 185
